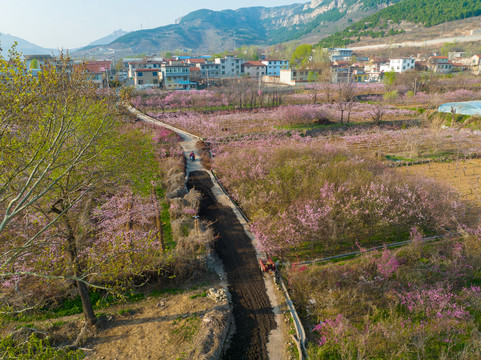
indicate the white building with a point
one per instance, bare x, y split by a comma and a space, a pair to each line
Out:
401, 65
274, 67
229, 66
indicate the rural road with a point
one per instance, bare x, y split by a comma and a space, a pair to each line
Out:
259, 332
455, 39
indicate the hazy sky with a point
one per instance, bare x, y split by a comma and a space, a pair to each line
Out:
70, 24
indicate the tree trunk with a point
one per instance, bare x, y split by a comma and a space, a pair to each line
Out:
158, 221
77, 270
86, 303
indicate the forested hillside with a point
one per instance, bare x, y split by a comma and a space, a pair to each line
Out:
387, 21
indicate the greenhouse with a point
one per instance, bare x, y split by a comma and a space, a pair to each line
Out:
463, 108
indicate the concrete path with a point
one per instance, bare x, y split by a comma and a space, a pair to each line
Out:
277, 341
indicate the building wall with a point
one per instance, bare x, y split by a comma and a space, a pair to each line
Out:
274, 66
255, 71
229, 66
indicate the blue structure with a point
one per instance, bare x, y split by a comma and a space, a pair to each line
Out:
463, 108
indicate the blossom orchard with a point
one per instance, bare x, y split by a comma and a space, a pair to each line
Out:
382, 305
360, 198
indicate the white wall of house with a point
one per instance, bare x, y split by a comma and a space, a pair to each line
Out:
401, 65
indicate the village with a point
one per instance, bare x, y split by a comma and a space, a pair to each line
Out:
197, 72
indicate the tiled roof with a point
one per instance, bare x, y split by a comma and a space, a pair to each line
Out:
253, 63
196, 61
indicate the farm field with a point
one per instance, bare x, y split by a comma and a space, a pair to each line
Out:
462, 175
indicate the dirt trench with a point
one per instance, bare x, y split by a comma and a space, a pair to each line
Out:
253, 314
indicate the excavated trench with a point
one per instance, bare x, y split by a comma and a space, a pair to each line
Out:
254, 318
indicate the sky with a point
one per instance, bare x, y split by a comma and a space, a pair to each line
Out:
69, 24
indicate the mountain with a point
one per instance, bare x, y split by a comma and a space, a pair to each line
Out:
23, 46
404, 17
212, 31
109, 38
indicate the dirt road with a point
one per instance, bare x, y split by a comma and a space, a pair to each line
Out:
254, 318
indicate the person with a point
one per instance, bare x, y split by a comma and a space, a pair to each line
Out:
192, 156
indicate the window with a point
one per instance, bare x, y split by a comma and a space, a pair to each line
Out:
156, 81
140, 82
140, 74
154, 73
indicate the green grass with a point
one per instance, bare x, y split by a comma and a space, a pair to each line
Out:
73, 306
398, 158
165, 218
185, 328
202, 294
35, 348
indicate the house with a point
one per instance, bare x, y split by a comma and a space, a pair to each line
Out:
195, 61
439, 64
475, 62
155, 64
401, 65
35, 63
254, 69
195, 74
176, 76
145, 78
230, 66
296, 76
340, 54
348, 74
274, 66
209, 70
99, 72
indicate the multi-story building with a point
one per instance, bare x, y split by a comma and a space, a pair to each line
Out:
274, 66
340, 54
254, 69
133, 66
210, 70
144, 78
175, 76
230, 66
401, 65
440, 64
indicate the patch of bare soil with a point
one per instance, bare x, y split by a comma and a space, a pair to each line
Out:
189, 325
253, 314
462, 175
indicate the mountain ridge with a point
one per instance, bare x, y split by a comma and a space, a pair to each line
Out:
207, 30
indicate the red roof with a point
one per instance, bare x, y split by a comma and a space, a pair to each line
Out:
439, 57
196, 61
146, 70
194, 69
98, 66
253, 63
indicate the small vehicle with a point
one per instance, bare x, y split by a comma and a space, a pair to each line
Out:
267, 265
192, 156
